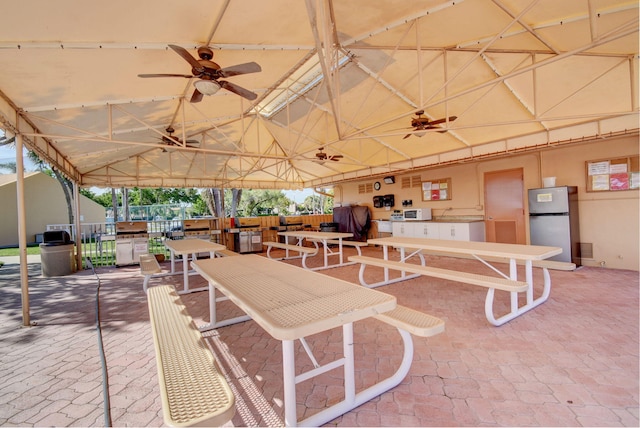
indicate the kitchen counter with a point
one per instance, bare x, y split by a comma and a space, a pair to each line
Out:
461, 219
453, 220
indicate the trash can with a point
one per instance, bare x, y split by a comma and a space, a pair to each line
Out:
57, 254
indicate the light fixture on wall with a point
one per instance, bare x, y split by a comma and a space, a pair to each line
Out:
390, 179
207, 87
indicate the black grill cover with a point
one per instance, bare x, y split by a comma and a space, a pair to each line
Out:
355, 219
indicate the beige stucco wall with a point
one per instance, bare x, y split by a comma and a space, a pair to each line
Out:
608, 220
44, 204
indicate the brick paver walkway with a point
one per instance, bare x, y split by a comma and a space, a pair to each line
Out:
571, 362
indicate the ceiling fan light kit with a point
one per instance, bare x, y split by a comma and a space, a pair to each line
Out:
421, 124
208, 74
207, 87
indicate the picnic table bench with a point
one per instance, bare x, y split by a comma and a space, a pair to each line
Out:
192, 388
303, 251
356, 244
149, 266
225, 253
466, 277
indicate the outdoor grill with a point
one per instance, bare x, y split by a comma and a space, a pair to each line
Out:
289, 223
132, 239
248, 238
197, 228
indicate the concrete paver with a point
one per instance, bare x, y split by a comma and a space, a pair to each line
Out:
573, 361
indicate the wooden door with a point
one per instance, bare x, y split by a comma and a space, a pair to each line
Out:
504, 206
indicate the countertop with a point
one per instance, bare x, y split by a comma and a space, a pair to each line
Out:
440, 220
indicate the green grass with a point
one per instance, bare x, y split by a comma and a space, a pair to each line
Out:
106, 257
5, 252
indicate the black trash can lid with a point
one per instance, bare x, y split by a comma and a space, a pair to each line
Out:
61, 236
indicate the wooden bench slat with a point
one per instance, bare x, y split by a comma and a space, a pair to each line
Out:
193, 390
469, 278
415, 322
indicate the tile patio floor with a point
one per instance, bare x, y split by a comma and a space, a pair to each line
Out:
574, 361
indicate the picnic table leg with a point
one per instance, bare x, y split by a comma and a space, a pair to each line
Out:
289, 379
185, 272
173, 262
515, 310
325, 247
351, 402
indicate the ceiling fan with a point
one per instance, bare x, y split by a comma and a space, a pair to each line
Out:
422, 123
321, 156
209, 74
170, 140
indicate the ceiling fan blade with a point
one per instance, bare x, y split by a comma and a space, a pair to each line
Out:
193, 143
406, 136
188, 76
245, 93
235, 70
187, 57
443, 120
196, 97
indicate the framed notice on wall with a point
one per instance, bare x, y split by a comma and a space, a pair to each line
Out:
436, 190
613, 174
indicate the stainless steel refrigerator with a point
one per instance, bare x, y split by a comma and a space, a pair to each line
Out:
554, 221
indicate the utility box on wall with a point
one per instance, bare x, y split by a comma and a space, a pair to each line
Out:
389, 200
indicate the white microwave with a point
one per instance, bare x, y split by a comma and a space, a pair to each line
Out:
416, 214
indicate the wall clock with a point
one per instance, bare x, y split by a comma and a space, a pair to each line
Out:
376, 185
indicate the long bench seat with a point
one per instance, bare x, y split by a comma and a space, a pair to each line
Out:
465, 277
356, 244
304, 251
192, 388
149, 266
415, 322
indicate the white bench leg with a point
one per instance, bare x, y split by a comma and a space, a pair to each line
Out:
517, 311
145, 282
353, 400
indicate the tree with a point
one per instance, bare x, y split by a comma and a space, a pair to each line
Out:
11, 166
256, 202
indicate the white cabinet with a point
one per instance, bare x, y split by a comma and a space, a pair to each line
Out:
402, 229
427, 230
472, 231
